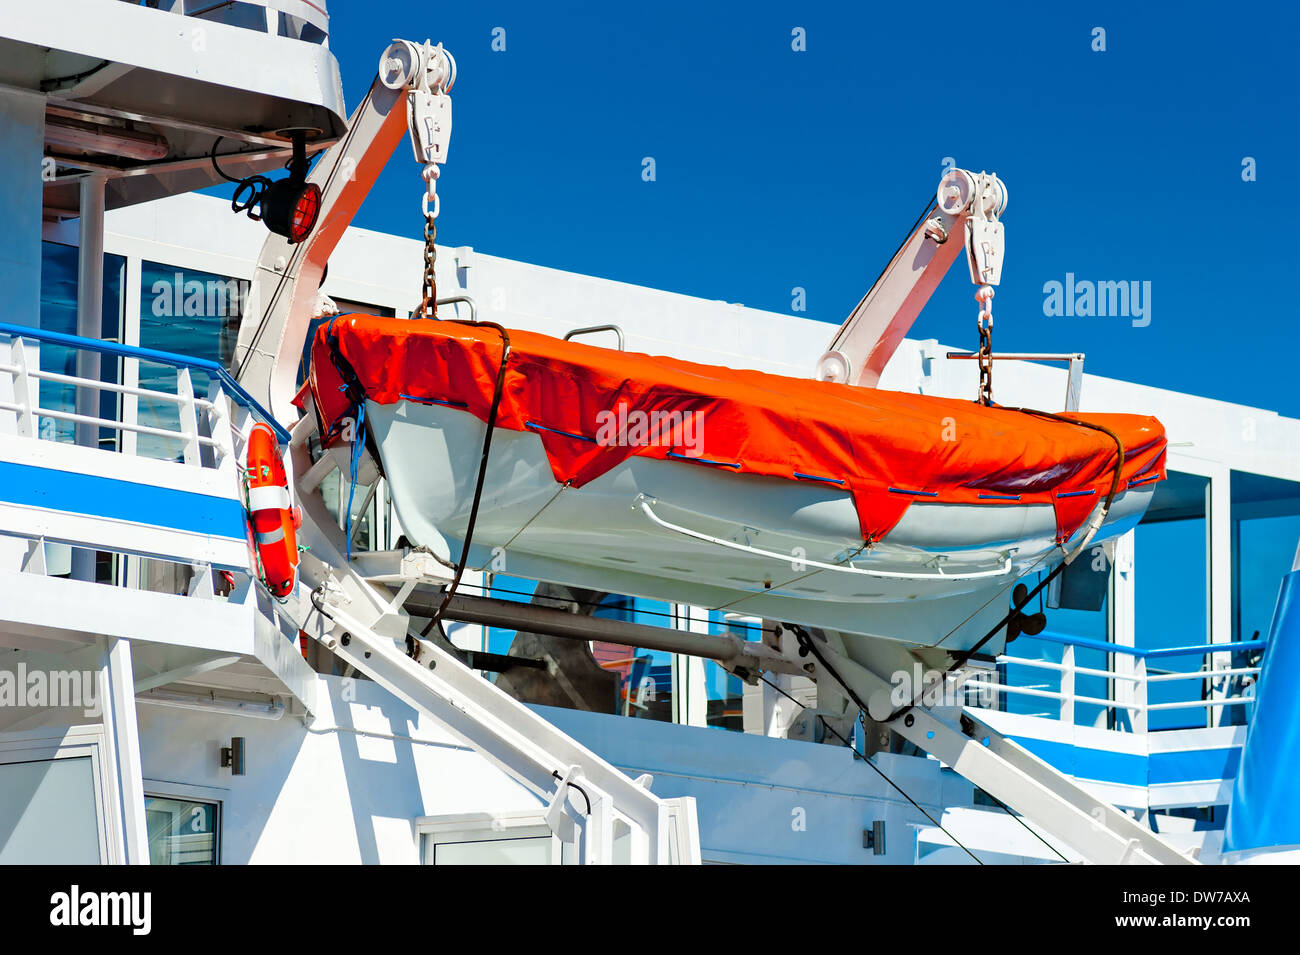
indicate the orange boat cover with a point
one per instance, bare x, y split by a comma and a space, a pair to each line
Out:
594, 407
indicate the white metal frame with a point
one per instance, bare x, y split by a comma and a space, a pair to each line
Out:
1134, 703
72, 742
433, 831
186, 792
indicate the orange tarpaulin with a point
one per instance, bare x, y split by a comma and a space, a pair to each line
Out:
593, 408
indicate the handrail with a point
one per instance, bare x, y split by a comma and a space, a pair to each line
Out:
115, 425
588, 329
1153, 654
786, 558
466, 299
1140, 680
217, 370
1129, 677
200, 403
1130, 705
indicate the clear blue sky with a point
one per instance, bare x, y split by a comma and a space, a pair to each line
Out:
778, 168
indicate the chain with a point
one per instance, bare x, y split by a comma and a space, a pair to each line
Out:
429, 291
984, 295
429, 305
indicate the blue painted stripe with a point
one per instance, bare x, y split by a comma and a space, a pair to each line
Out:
567, 434
110, 498
1195, 765
1000, 497
1145, 480
1131, 769
1075, 493
1126, 769
900, 490
818, 477
434, 401
687, 457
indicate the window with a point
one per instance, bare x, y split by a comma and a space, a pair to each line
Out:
182, 831
645, 677
1266, 527
192, 313
48, 813
1171, 564
509, 838
724, 691
53, 808
59, 314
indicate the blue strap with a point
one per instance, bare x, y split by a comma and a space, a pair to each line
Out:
354, 463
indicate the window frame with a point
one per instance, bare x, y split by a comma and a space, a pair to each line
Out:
454, 828
161, 789
73, 742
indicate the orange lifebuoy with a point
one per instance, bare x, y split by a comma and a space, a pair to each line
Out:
274, 518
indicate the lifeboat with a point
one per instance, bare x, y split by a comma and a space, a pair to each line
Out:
791, 499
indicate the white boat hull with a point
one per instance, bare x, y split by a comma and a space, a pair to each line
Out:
686, 533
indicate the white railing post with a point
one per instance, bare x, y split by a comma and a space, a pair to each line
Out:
23, 394
1067, 685
189, 415
219, 428
8, 390
1138, 713
241, 425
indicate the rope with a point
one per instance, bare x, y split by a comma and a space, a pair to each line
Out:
482, 475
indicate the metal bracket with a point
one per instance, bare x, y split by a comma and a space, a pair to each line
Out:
598, 328
1074, 384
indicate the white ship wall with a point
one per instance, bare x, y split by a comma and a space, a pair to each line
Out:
349, 788
346, 790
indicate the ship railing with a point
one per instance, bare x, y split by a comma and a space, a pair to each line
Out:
196, 416
169, 490
1130, 679
306, 20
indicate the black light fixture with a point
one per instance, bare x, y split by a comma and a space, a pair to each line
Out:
874, 838
289, 207
232, 756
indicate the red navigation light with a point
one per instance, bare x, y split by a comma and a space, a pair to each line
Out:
290, 208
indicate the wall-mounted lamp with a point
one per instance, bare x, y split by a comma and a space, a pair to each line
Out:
232, 756
874, 838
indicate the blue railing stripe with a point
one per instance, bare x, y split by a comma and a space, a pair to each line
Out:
720, 464
817, 477
213, 368
568, 434
1154, 654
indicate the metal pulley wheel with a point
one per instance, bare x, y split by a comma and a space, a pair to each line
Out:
834, 366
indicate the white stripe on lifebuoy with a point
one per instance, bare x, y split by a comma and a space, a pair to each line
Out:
271, 537
275, 497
